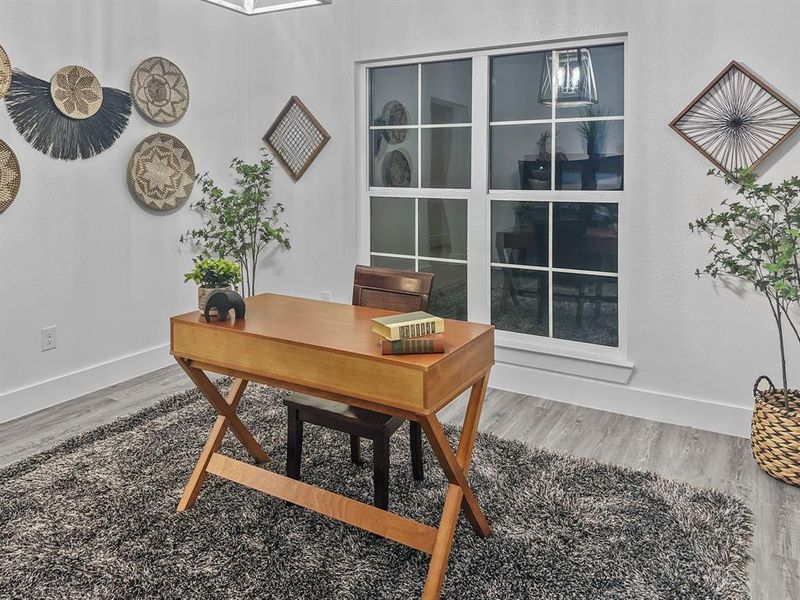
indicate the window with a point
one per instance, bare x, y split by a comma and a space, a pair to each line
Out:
420, 168
547, 126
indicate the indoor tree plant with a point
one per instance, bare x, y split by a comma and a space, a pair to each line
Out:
241, 223
756, 239
212, 275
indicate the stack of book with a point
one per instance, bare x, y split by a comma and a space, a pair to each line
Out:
410, 333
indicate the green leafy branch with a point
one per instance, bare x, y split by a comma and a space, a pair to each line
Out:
241, 223
756, 239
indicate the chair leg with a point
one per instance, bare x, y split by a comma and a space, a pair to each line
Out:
355, 450
416, 450
294, 446
381, 471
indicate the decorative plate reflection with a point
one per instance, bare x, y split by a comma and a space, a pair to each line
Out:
76, 92
394, 114
396, 169
160, 90
5, 72
161, 172
10, 176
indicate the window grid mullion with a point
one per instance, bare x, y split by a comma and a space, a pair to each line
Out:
416, 234
419, 129
551, 208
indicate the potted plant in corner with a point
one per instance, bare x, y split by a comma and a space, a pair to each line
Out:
756, 239
241, 223
212, 275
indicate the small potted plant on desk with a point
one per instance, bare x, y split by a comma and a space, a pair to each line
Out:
212, 275
756, 240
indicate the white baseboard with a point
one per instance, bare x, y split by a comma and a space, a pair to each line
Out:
592, 393
623, 399
29, 399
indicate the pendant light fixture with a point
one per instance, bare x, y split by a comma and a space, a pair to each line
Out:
573, 77
258, 7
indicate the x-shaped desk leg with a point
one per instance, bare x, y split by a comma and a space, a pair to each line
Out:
226, 417
459, 492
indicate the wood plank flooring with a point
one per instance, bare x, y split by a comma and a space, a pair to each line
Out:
680, 453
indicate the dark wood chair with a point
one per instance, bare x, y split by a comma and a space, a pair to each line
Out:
390, 289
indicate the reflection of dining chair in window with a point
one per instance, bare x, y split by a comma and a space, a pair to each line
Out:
587, 242
519, 245
596, 298
438, 230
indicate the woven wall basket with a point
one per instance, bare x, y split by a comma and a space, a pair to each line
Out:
775, 435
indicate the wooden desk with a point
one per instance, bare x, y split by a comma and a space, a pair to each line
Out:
329, 350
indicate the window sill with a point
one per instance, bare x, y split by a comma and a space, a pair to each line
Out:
603, 364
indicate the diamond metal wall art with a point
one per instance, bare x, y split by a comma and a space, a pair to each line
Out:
737, 120
296, 138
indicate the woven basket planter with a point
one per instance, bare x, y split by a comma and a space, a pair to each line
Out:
775, 434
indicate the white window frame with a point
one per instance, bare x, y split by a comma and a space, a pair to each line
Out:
571, 354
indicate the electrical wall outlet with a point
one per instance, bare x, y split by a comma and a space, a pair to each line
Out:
326, 295
48, 338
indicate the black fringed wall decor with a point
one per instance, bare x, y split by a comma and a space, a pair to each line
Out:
737, 120
44, 125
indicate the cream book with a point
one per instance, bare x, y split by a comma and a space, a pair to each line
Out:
407, 325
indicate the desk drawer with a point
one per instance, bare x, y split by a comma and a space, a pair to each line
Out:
336, 372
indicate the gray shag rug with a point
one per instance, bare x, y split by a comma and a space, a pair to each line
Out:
95, 518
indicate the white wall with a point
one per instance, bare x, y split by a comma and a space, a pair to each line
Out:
76, 250
696, 349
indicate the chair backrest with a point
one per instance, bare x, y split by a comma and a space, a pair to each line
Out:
391, 289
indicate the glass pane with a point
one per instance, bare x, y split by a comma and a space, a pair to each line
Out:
608, 68
390, 262
520, 157
447, 92
519, 300
443, 228
589, 155
394, 158
585, 308
585, 236
446, 157
449, 292
519, 233
515, 87
393, 95
392, 225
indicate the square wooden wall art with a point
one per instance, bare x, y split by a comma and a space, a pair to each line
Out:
296, 138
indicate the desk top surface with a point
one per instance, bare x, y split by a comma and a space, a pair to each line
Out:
339, 327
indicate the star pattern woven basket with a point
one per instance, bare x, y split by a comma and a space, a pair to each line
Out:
775, 434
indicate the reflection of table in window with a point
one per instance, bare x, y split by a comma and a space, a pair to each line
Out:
521, 245
578, 174
590, 173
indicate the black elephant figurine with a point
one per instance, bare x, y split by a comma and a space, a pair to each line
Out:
224, 301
